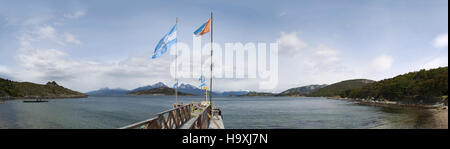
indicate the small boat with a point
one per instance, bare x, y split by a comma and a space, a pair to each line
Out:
37, 100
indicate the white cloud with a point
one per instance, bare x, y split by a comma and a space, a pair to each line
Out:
435, 63
75, 15
49, 33
42, 65
382, 63
290, 43
71, 38
441, 41
4, 71
39, 65
309, 63
326, 51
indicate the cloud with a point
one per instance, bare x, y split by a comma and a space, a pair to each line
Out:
309, 63
41, 65
75, 15
4, 72
69, 38
49, 33
382, 63
38, 64
435, 63
290, 43
441, 41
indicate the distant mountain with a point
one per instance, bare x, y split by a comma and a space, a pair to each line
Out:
337, 88
187, 88
301, 91
156, 85
108, 91
12, 89
158, 91
257, 94
234, 93
424, 86
184, 88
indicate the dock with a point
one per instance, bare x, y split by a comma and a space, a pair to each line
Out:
35, 101
189, 116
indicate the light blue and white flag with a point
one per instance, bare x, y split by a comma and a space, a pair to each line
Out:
169, 39
175, 85
202, 84
202, 81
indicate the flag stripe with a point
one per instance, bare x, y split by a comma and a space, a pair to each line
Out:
168, 40
205, 28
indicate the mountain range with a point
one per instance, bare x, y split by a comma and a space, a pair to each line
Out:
424, 84
336, 88
301, 91
183, 88
158, 91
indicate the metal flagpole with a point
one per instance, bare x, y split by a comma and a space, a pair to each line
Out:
176, 67
211, 75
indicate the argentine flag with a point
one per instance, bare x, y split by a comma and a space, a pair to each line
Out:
169, 39
202, 81
175, 85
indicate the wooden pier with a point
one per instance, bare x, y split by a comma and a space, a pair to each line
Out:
190, 116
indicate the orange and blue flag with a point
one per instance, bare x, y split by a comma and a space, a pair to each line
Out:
205, 28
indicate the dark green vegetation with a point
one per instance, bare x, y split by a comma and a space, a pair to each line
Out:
158, 91
11, 89
301, 91
337, 89
424, 86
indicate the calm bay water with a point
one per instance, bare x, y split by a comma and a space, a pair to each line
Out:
238, 112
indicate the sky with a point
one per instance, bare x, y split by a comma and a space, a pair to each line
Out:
87, 45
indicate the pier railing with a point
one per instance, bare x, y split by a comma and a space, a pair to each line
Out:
203, 119
170, 119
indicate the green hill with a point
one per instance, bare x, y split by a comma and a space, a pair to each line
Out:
301, 91
339, 88
425, 86
12, 89
158, 91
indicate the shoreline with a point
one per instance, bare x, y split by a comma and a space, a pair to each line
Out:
53, 97
441, 118
439, 112
389, 103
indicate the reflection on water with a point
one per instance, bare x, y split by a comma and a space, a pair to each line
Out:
238, 112
408, 118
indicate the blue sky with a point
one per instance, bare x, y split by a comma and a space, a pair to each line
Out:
87, 45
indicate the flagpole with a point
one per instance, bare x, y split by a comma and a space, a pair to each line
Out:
176, 67
211, 75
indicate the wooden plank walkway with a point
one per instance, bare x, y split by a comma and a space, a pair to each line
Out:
183, 117
218, 120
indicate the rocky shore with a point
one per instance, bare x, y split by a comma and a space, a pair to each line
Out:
44, 97
440, 115
388, 103
439, 111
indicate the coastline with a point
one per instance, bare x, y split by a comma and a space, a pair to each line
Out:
389, 103
46, 97
439, 112
441, 118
